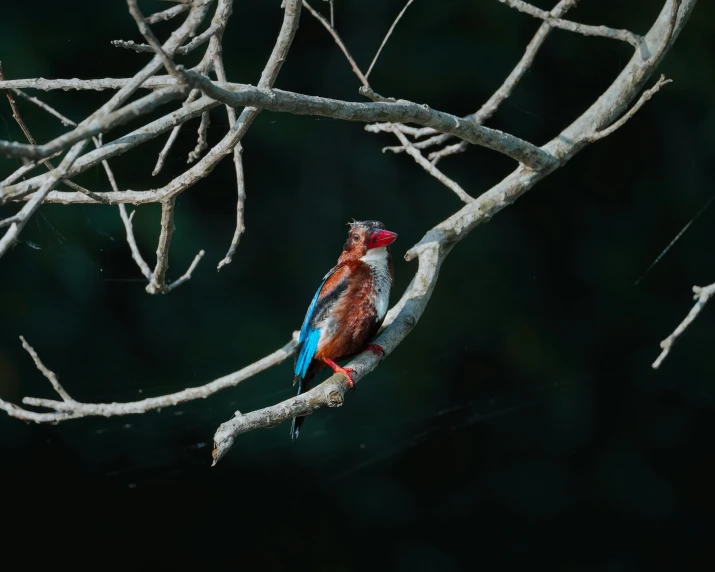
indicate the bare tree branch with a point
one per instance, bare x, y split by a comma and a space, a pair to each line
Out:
64, 410
158, 277
49, 374
606, 115
492, 104
643, 98
431, 169
202, 142
150, 37
167, 14
437, 243
136, 255
53, 177
489, 108
401, 111
702, 295
88, 129
193, 96
600, 31
18, 118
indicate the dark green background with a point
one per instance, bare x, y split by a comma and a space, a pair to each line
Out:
519, 424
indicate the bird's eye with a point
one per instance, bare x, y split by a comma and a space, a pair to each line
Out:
356, 237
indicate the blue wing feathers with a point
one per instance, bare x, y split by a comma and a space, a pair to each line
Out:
307, 351
309, 337
309, 334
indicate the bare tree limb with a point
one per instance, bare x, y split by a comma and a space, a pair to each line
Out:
401, 111
53, 177
20, 219
18, 118
437, 243
702, 295
535, 163
63, 410
492, 104
90, 128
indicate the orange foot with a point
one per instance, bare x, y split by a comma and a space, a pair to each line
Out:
345, 371
377, 350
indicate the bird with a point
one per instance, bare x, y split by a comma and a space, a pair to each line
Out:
348, 308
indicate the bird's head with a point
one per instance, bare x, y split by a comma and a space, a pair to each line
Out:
364, 236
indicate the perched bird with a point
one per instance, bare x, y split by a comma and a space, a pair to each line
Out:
348, 308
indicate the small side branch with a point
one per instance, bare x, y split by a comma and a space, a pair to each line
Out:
702, 295
71, 409
431, 169
131, 240
48, 373
150, 37
387, 37
641, 101
585, 30
401, 111
202, 142
167, 14
339, 42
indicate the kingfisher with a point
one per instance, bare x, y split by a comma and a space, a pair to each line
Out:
348, 308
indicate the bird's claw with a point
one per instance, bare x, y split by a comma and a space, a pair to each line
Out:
377, 350
346, 372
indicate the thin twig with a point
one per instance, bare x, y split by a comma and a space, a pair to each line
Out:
63, 410
240, 178
187, 275
150, 37
167, 14
46, 162
193, 96
702, 295
600, 31
131, 240
339, 42
157, 285
387, 37
48, 373
431, 169
490, 107
202, 142
643, 98
67, 122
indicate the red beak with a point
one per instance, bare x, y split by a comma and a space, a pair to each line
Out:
380, 237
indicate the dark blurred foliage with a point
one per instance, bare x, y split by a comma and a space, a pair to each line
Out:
519, 424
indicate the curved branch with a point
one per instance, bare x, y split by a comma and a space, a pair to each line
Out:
238, 95
69, 408
585, 30
437, 243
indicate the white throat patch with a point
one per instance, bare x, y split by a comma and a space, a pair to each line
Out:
376, 259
